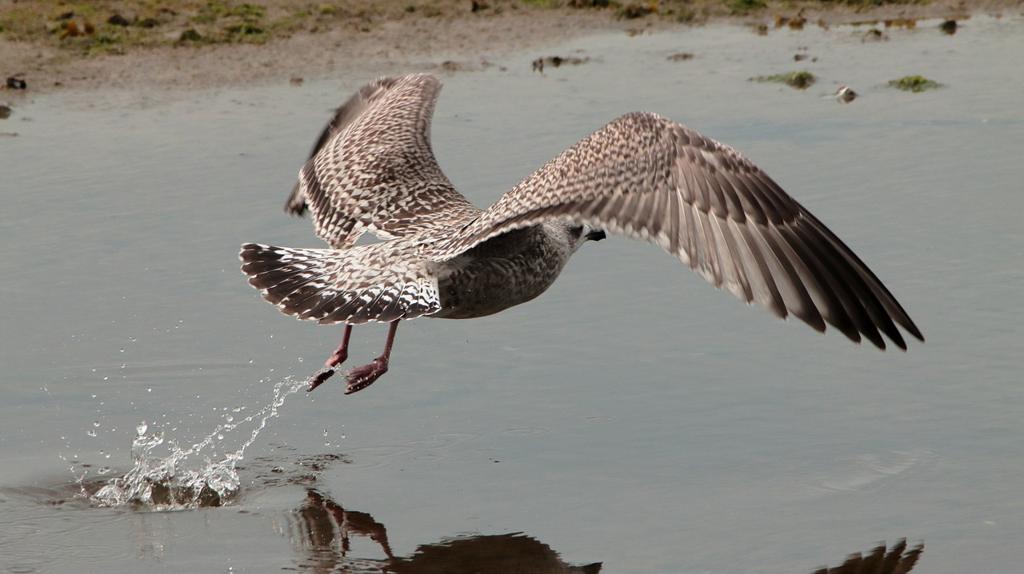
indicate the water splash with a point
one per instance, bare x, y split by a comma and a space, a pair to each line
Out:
167, 482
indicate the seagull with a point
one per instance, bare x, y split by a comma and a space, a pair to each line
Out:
642, 176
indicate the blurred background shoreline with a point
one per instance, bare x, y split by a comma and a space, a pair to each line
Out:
138, 44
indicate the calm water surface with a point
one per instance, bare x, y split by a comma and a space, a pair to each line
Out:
632, 415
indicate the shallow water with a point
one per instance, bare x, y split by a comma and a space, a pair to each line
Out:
631, 416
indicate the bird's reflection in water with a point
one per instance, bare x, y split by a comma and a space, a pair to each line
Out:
323, 530
893, 560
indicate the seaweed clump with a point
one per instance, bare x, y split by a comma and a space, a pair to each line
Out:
915, 84
799, 80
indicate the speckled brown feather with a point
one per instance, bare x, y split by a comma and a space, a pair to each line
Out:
647, 177
377, 171
343, 117
364, 283
642, 176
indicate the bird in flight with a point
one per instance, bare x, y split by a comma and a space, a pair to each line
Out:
642, 176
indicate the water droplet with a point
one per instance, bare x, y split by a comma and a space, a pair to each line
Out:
149, 389
300, 359
142, 428
123, 365
103, 470
96, 424
229, 418
220, 436
122, 349
91, 433
106, 378
251, 361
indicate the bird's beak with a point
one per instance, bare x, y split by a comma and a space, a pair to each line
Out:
596, 235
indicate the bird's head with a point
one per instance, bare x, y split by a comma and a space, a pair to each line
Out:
580, 234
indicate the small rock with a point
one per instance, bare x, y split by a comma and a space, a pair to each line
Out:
634, 11
845, 95
479, 5
16, 83
295, 81
795, 23
70, 30
948, 27
149, 23
451, 66
907, 23
874, 35
118, 20
761, 29
556, 61
799, 57
5, 111
66, 15
680, 57
190, 35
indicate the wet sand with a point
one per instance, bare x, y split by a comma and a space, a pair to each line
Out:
445, 36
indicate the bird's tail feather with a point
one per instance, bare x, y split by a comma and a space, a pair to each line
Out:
331, 286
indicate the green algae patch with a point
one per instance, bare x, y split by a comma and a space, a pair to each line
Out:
799, 80
915, 84
742, 7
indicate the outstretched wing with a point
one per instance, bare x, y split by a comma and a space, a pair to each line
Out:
373, 168
647, 177
343, 116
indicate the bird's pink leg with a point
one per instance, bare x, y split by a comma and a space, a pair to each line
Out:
337, 358
341, 353
361, 377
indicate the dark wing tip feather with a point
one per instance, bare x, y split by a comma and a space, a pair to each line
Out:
296, 203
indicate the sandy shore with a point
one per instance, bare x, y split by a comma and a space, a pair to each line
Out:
59, 48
